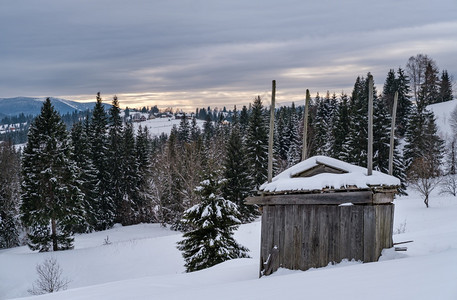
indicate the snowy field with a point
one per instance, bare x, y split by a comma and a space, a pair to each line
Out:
162, 125
142, 262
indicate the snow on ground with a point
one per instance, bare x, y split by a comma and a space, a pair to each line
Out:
161, 125
142, 262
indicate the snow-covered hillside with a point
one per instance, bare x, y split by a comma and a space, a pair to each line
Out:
161, 125
32, 106
142, 262
442, 112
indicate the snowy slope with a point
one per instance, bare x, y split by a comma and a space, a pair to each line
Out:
442, 112
143, 263
161, 125
32, 106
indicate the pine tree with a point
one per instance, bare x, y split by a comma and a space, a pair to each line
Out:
389, 89
143, 151
51, 198
195, 130
213, 221
244, 120
173, 202
130, 203
429, 90
340, 128
422, 140
445, 87
257, 144
184, 130
208, 129
281, 142
355, 146
87, 175
381, 136
115, 158
237, 187
10, 182
321, 125
105, 208
404, 105
294, 140
423, 153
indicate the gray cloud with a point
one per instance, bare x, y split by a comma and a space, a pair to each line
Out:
199, 53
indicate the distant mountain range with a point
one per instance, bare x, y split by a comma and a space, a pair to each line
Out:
32, 106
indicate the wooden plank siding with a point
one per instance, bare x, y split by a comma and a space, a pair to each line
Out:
311, 236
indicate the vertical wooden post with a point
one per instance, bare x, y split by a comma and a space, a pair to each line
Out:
370, 125
392, 133
270, 137
305, 126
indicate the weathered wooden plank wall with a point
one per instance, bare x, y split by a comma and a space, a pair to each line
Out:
309, 236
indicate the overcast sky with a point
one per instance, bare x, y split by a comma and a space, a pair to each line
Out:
189, 54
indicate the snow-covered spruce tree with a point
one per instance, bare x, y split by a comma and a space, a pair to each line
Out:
381, 145
429, 89
422, 140
208, 129
236, 173
389, 89
10, 188
445, 90
404, 105
129, 205
321, 125
116, 159
449, 183
173, 202
355, 145
257, 144
381, 136
87, 175
281, 141
51, 199
334, 104
195, 130
105, 210
143, 153
340, 128
210, 240
244, 120
293, 134
184, 130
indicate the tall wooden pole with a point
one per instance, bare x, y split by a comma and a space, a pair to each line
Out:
392, 133
305, 126
370, 125
272, 126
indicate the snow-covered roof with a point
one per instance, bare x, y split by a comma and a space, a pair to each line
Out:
321, 172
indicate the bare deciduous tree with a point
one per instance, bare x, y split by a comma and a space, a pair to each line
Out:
424, 177
415, 67
49, 278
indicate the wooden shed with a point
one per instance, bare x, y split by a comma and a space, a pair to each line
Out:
323, 210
